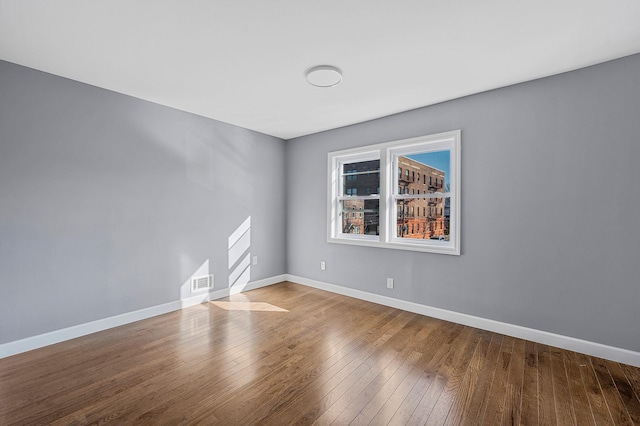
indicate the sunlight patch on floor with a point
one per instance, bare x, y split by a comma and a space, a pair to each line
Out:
247, 306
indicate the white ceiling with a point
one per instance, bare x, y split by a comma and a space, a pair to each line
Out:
242, 61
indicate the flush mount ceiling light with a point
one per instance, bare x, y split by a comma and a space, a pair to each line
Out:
323, 76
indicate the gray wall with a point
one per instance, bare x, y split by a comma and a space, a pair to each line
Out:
108, 204
550, 207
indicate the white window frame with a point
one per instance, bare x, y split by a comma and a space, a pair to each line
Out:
388, 154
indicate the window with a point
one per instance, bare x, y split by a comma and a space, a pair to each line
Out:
393, 202
356, 174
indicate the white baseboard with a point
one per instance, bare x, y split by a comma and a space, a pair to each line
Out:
57, 336
570, 343
257, 284
612, 353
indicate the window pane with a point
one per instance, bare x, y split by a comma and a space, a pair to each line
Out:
361, 178
423, 218
432, 166
367, 223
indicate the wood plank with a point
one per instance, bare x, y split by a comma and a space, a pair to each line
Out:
564, 408
577, 390
463, 396
496, 402
546, 397
425, 407
625, 390
453, 370
473, 414
633, 377
597, 403
616, 406
530, 385
512, 413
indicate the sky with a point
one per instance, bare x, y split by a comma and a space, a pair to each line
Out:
439, 159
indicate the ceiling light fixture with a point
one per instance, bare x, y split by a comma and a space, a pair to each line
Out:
323, 76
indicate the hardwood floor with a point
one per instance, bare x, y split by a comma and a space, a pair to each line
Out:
289, 354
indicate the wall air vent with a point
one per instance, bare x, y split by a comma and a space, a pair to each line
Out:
202, 282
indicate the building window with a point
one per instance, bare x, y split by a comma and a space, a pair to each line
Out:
385, 220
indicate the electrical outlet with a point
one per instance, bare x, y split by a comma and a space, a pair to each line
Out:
255, 260
389, 282
323, 266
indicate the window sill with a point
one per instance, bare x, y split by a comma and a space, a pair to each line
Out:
438, 247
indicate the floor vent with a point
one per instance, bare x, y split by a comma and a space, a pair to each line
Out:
203, 282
